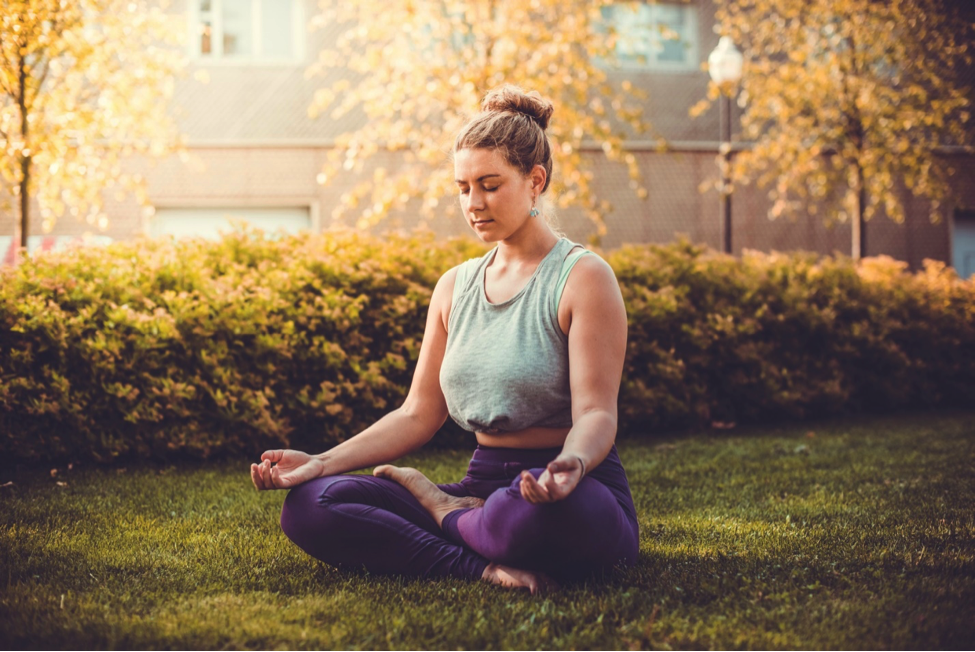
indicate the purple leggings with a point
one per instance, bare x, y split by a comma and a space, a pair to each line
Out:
362, 521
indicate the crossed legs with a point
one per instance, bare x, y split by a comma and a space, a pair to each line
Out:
439, 504
401, 523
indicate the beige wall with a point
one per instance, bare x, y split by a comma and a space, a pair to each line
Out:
252, 143
286, 176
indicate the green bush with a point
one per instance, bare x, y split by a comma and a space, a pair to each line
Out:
154, 348
785, 336
151, 349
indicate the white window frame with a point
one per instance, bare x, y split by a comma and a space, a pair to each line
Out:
216, 56
692, 62
216, 204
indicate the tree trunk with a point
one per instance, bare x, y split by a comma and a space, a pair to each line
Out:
861, 207
25, 156
858, 247
24, 199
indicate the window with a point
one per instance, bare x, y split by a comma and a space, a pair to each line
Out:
657, 36
247, 30
963, 244
210, 222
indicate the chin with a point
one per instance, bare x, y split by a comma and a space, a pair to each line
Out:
485, 235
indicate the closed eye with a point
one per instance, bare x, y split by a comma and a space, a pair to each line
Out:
464, 190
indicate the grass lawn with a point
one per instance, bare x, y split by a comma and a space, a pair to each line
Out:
847, 534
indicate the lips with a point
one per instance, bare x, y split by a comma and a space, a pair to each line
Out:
482, 222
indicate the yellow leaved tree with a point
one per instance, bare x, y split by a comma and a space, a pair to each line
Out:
845, 100
83, 85
414, 72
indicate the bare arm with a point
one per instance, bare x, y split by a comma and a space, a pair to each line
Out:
401, 431
593, 308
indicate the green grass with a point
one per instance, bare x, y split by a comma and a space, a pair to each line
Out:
846, 534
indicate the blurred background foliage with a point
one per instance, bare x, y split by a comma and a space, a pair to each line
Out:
846, 102
84, 85
418, 71
156, 349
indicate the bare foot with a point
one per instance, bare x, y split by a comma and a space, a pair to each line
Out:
433, 500
515, 578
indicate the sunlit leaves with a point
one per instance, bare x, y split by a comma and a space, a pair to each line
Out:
844, 94
412, 73
84, 85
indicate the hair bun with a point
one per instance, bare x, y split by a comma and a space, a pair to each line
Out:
513, 99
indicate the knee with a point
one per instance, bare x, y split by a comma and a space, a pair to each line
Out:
295, 514
307, 509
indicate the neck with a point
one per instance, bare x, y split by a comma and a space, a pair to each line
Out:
528, 245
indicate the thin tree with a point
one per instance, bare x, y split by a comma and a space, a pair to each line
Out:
845, 100
83, 85
412, 73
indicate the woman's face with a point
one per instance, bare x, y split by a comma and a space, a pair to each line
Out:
495, 197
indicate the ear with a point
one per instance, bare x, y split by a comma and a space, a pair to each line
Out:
538, 176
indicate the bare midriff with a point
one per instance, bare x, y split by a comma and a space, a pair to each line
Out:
527, 438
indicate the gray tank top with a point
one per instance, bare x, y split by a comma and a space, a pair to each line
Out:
506, 365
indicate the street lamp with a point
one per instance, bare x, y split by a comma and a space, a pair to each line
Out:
724, 66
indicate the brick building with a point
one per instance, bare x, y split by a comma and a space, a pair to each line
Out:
255, 154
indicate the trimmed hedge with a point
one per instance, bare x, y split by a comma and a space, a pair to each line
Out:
789, 336
152, 349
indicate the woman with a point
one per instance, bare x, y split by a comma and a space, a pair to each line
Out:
525, 348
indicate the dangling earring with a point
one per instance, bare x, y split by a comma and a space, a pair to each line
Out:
534, 211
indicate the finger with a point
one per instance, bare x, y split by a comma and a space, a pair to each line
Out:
527, 491
266, 474
276, 478
261, 484
256, 478
272, 456
531, 490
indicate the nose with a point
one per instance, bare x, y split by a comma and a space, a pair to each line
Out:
475, 200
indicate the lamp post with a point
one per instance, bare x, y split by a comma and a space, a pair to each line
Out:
724, 66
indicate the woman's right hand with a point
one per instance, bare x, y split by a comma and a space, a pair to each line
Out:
283, 469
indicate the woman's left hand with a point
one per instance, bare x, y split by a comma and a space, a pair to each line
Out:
557, 481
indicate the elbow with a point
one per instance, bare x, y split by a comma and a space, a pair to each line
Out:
424, 420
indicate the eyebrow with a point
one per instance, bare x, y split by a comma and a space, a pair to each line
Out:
482, 178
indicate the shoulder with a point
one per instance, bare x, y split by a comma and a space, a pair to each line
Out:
448, 287
590, 290
590, 273
445, 286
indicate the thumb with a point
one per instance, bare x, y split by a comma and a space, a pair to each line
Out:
562, 464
